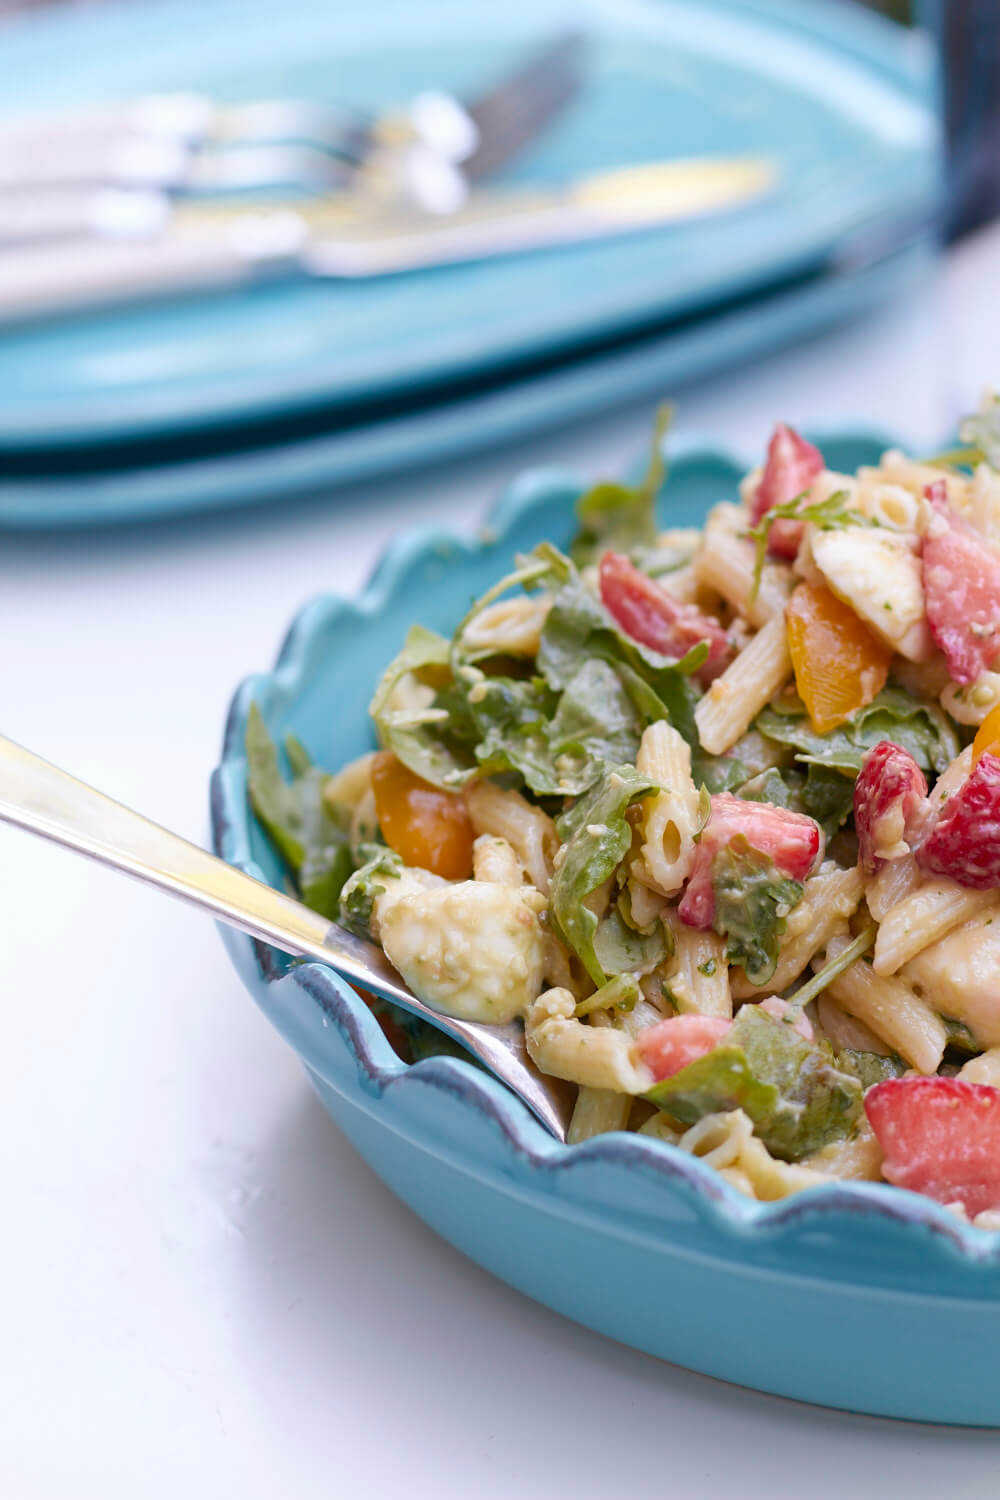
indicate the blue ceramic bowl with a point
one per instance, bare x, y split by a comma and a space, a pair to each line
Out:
857, 1296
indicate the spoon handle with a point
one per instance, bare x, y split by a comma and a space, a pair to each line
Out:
39, 797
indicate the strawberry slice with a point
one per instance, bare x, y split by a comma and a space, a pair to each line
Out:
889, 803
670, 1045
941, 1137
652, 617
793, 841
792, 466
965, 841
961, 575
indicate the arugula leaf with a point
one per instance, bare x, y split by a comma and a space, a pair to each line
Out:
717, 773
596, 724
828, 796
298, 757
559, 744
921, 728
981, 432
425, 740
619, 994
370, 881
752, 901
596, 838
782, 788
311, 839
620, 949
510, 719
578, 627
720, 1081
960, 1038
797, 1097
831, 514
614, 517
870, 1068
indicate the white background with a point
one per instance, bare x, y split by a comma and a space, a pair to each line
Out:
202, 1288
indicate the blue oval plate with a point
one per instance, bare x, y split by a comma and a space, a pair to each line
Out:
839, 99
859, 1296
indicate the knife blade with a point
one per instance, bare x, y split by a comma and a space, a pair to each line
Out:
208, 250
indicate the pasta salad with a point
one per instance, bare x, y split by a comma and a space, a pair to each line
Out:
717, 812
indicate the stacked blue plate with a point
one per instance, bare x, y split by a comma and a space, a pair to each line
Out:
292, 386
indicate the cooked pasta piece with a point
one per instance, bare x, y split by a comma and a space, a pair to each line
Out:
846, 1031
681, 584
647, 905
727, 1142
897, 879
725, 565
983, 1069
594, 1056
745, 687
829, 898
857, 1159
971, 704
672, 817
982, 506
961, 974
921, 918
697, 975
597, 1111
346, 787
511, 627
494, 860
896, 468
891, 1009
529, 831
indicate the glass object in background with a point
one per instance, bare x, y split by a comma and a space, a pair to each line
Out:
967, 33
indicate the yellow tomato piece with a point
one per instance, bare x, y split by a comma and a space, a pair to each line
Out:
839, 664
987, 736
426, 826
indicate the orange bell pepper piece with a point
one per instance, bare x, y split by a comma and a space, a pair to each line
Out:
424, 825
839, 664
987, 739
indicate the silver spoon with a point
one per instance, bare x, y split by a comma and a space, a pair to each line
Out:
37, 796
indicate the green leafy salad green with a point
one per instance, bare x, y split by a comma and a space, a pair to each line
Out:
587, 797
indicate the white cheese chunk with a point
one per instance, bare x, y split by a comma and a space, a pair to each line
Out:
878, 575
473, 949
960, 976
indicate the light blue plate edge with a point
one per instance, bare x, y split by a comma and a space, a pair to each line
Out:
911, 194
846, 1257
516, 411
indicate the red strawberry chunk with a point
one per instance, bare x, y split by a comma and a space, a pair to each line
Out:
670, 1045
961, 590
889, 803
652, 617
792, 466
793, 841
965, 841
941, 1137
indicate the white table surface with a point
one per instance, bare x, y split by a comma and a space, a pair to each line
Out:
204, 1290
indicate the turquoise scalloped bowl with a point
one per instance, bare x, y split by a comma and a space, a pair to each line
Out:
856, 1295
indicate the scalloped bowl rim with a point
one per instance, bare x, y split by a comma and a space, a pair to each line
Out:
729, 1211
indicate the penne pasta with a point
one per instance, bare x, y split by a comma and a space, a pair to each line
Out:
892, 1011
697, 976
745, 687
671, 819
924, 916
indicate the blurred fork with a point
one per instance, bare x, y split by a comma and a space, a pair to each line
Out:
190, 145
